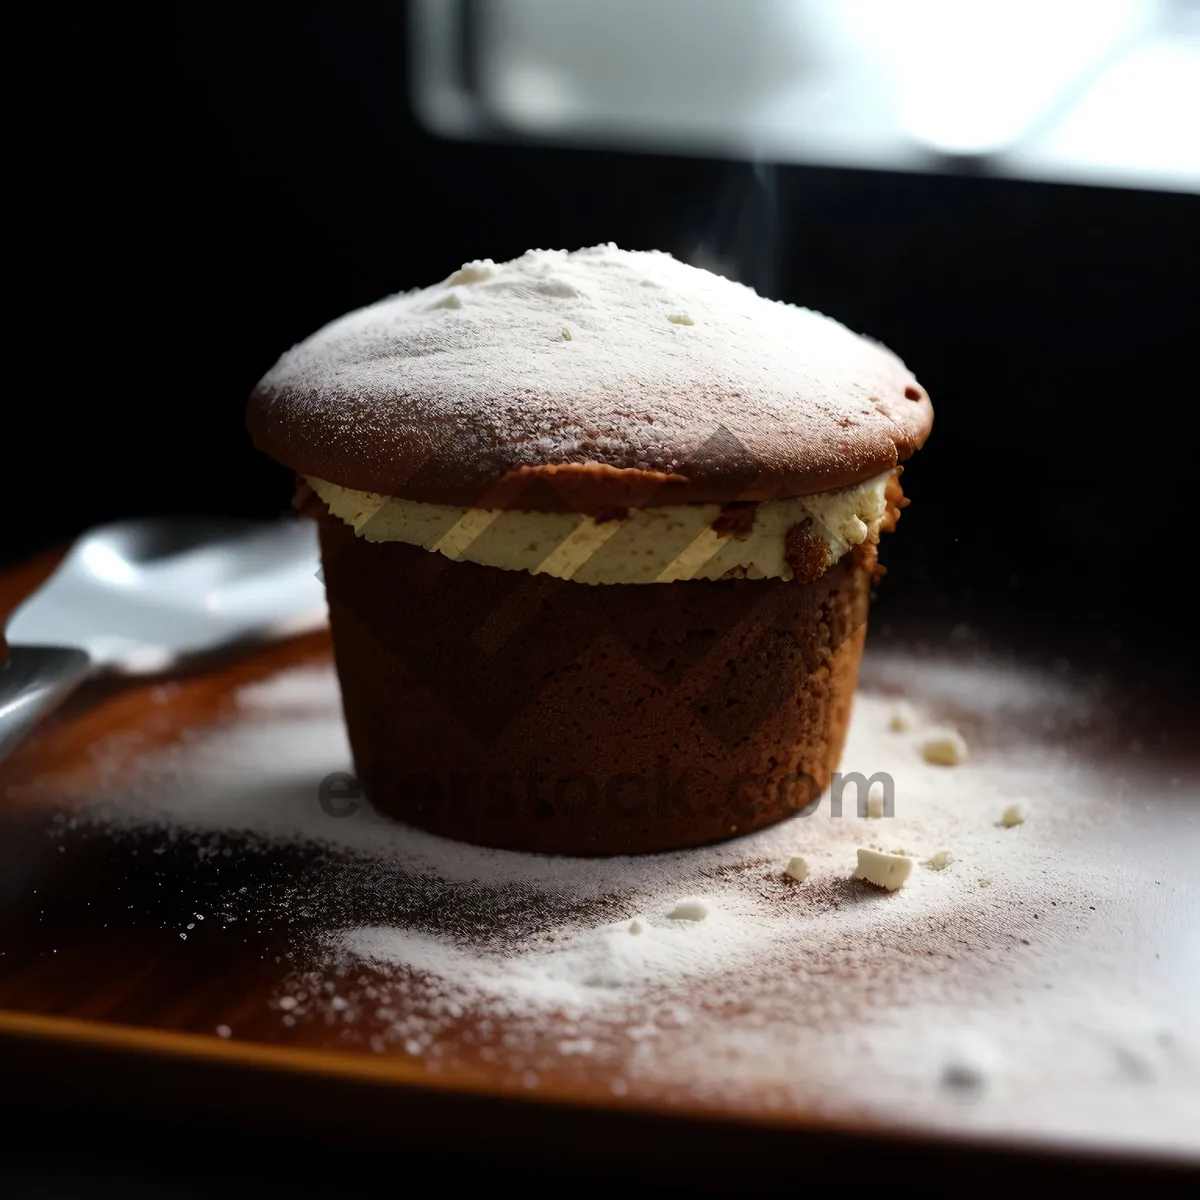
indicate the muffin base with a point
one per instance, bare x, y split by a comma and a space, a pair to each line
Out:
531, 713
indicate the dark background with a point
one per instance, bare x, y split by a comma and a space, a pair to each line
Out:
223, 180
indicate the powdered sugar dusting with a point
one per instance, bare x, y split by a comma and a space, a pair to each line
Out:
627, 358
993, 993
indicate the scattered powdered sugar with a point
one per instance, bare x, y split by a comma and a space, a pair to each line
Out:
992, 991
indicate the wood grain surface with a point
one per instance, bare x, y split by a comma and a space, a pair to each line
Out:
102, 1003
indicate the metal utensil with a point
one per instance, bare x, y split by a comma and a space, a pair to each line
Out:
139, 597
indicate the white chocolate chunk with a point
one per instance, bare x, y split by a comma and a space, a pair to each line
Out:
944, 747
883, 870
797, 868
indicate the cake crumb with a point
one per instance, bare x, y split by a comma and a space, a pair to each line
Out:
883, 870
635, 926
945, 748
1014, 814
688, 910
940, 861
797, 868
903, 718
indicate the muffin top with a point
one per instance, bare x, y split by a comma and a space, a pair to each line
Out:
583, 380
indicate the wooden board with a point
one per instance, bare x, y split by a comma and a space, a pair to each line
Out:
103, 1002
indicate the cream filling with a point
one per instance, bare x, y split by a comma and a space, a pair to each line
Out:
648, 545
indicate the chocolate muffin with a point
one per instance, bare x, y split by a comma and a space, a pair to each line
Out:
598, 531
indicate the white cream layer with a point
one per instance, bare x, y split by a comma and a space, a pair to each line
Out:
649, 545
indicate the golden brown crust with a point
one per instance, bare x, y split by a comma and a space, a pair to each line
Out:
806, 551
437, 475
866, 555
896, 501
